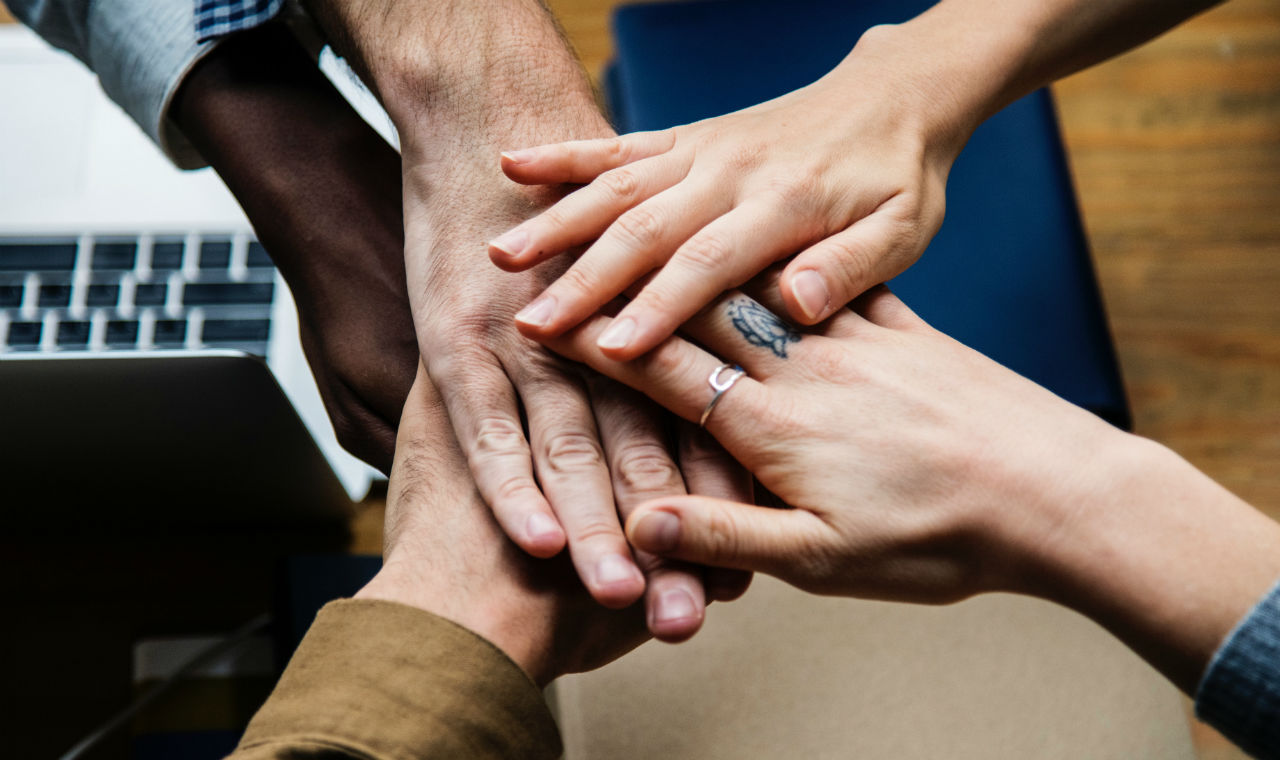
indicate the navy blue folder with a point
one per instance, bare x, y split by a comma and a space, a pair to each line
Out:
1009, 273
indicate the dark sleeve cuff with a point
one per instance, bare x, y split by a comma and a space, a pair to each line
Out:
383, 680
1240, 692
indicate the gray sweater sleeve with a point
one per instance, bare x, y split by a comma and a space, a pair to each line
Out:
1240, 692
140, 49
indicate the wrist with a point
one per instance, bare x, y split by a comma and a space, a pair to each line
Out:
941, 78
506, 620
1156, 552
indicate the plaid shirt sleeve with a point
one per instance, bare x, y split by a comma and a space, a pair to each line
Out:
217, 18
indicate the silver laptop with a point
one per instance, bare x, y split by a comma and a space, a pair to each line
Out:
149, 352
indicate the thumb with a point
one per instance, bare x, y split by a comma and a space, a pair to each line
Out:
726, 534
834, 271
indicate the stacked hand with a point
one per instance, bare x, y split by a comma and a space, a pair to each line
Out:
845, 177
444, 553
916, 469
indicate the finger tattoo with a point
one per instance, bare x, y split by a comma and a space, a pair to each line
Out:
762, 327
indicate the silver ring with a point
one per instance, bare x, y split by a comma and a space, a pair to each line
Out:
720, 386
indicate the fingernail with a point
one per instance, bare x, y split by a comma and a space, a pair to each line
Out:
811, 293
541, 526
518, 156
511, 242
657, 532
618, 335
538, 313
675, 604
614, 569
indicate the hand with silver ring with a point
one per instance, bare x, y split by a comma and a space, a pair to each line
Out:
720, 387
919, 470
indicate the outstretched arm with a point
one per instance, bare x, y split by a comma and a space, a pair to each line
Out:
443, 654
461, 79
919, 470
845, 177
322, 191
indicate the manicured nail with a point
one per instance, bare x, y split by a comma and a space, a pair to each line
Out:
618, 335
511, 242
614, 569
518, 156
657, 532
675, 604
541, 526
538, 313
811, 293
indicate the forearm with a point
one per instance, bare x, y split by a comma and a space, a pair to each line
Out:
963, 60
492, 71
1159, 554
279, 134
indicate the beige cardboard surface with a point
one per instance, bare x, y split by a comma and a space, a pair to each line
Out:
780, 674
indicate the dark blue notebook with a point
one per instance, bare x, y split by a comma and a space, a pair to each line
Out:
1009, 273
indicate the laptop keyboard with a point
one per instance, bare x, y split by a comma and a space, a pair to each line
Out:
143, 292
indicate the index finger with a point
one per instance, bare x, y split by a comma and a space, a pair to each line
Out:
580, 161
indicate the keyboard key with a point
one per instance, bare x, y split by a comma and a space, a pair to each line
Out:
54, 296
102, 295
25, 333
47, 257
166, 254
170, 332
150, 295
73, 333
10, 296
215, 254
257, 256
115, 255
232, 330
122, 334
208, 294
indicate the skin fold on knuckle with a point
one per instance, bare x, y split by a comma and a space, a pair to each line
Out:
496, 436
642, 470
706, 256
570, 453
721, 539
619, 185
669, 365
640, 228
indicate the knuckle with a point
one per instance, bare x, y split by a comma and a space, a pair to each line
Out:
572, 452
796, 192
600, 528
640, 226
741, 157
496, 435
581, 280
722, 537
646, 468
614, 149
619, 184
667, 361
514, 488
851, 259
706, 253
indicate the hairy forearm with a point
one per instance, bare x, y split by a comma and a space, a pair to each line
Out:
1158, 553
496, 70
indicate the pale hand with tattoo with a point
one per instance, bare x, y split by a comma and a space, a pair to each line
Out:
919, 470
